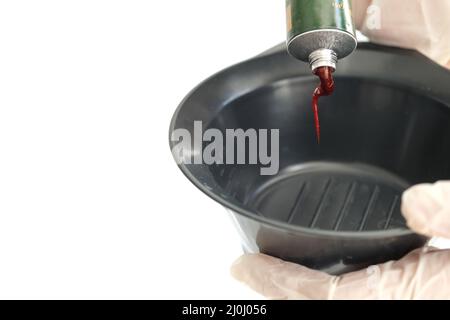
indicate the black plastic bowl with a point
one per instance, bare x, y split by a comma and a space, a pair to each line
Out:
333, 207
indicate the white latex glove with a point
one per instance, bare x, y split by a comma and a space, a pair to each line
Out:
423, 25
422, 274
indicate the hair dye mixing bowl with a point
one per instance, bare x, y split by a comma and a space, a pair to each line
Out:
335, 206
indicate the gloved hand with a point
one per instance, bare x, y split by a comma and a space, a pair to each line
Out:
422, 274
423, 25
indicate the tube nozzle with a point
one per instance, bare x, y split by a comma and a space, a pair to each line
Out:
323, 58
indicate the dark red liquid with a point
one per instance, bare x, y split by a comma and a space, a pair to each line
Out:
325, 88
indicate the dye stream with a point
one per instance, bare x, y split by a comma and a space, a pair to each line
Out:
325, 88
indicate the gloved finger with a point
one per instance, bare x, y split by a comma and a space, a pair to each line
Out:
422, 274
359, 10
426, 208
278, 279
417, 24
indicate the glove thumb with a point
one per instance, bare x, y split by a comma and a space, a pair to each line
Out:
426, 208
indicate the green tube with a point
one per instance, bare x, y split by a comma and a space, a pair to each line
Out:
320, 31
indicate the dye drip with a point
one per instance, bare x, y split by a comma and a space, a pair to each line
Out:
325, 88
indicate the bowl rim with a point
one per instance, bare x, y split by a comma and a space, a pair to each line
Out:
284, 226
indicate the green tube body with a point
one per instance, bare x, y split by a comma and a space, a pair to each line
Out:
319, 24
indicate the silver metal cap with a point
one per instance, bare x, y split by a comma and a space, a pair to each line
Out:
323, 58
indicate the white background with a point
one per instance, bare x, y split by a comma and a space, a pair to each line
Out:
92, 204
